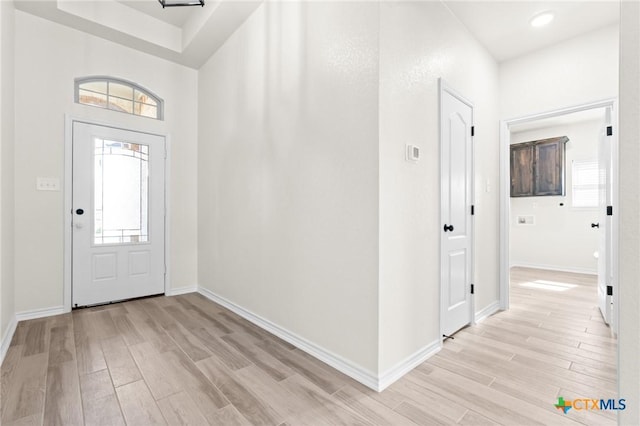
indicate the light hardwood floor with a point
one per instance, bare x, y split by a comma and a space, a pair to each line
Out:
185, 360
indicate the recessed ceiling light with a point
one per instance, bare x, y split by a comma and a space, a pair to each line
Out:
541, 19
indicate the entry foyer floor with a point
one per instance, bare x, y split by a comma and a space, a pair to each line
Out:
185, 360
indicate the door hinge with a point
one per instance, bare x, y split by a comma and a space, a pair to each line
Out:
609, 130
473, 210
473, 130
609, 210
609, 290
472, 289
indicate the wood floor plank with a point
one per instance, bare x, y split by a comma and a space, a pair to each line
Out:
258, 357
323, 409
471, 418
138, 406
419, 414
121, 365
127, 330
179, 409
194, 362
248, 405
103, 411
371, 410
33, 420
96, 386
100, 403
26, 393
35, 340
13, 355
63, 403
229, 416
62, 347
312, 371
226, 354
215, 371
189, 343
88, 349
266, 388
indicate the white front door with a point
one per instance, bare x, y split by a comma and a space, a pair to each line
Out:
118, 214
605, 222
456, 227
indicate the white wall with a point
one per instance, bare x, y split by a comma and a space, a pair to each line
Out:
288, 173
7, 284
629, 326
48, 58
420, 42
580, 70
561, 237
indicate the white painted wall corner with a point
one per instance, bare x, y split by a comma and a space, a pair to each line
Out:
362, 375
403, 367
6, 339
485, 313
39, 313
182, 290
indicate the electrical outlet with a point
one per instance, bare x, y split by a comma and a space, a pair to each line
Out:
47, 184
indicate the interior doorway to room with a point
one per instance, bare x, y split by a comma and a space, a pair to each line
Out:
118, 219
558, 252
571, 230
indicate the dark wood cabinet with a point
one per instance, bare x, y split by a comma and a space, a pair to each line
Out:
537, 167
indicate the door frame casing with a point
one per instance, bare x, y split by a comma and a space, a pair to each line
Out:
443, 86
68, 199
505, 194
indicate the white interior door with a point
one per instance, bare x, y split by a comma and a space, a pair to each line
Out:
118, 214
605, 222
456, 245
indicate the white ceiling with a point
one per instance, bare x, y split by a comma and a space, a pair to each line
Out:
186, 35
503, 26
190, 35
176, 16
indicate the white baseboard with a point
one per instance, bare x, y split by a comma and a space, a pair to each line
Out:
356, 372
6, 338
487, 312
181, 290
571, 269
403, 367
39, 313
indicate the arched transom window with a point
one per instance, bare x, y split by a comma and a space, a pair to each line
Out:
118, 95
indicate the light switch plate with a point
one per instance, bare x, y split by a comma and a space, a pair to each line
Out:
48, 184
413, 153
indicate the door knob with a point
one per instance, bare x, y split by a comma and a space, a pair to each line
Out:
79, 212
595, 225
448, 228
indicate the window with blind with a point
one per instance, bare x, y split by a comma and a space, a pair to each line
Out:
585, 182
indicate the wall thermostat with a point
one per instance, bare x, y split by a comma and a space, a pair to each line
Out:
413, 153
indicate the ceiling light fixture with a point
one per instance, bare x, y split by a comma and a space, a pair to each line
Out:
541, 19
179, 3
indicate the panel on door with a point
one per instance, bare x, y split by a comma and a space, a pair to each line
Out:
456, 244
118, 214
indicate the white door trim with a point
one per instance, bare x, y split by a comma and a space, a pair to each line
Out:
445, 87
505, 193
68, 192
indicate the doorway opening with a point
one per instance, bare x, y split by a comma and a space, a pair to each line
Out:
558, 253
115, 232
584, 203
